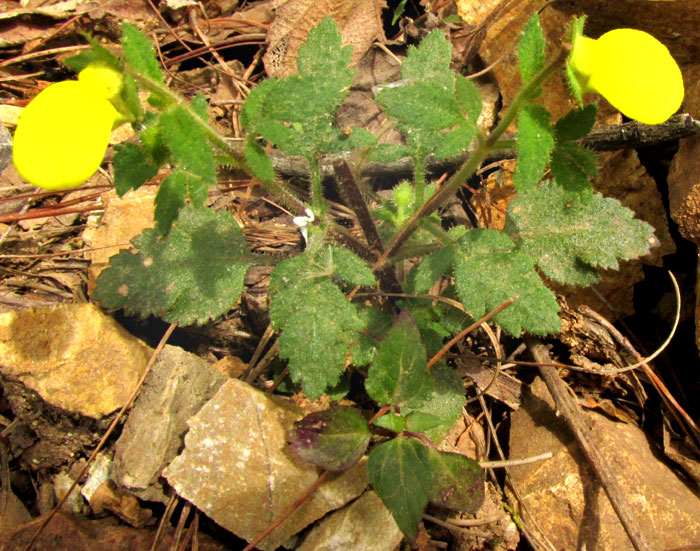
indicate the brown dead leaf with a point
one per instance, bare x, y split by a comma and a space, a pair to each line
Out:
359, 21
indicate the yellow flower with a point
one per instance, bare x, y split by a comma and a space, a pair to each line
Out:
63, 133
632, 70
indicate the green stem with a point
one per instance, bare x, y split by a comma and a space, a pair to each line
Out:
161, 89
319, 206
419, 177
236, 158
469, 167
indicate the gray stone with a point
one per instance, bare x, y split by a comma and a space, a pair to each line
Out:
238, 469
365, 524
176, 388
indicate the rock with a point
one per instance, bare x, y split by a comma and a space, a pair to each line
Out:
176, 388
364, 524
68, 532
238, 469
72, 355
684, 173
565, 498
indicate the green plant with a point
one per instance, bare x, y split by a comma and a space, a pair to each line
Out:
190, 268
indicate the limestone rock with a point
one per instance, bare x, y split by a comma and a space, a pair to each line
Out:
238, 469
74, 356
176, 388
365, 524
565, 498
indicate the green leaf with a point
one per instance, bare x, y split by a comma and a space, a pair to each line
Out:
333, 439
188, 144
192, 275
258, 161
425, 105
399, 471
377, 325
444, 405
388, 153
432, 268
430, 61
297, 113
451, 144
531, 48
169, 201
130, 95
457, 482
535, 142
572, 167
576, 124
399, 375
345, 266
391, 421
488, 271
139, 52
398, 12
569, 238
133, 167
318, 323
469, 98
200, 105
323, 53
96, 53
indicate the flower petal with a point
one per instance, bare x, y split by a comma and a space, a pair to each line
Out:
637, 75
62, 135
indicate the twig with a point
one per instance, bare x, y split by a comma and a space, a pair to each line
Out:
608, 138
568, 409
515, 462
310, 490
113, 425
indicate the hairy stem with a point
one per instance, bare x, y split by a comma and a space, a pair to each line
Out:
440, 198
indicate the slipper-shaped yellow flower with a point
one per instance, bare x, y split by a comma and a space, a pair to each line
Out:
63, 133
632, 70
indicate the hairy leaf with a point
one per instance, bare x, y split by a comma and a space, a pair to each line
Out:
133, 167
169, 200
399, 471
192, 275
139, 52
430, 61
576, 124
296, 113
488, 271
572, 167
319, 325
345, 266
377, 324
569, 238
531, 48
399, 375
457, 482
469, 98
258, 161
333, 439
188, 144
535, 142
424, 105
443, 406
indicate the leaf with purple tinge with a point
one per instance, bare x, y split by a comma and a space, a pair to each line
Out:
457, 482
334, 439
